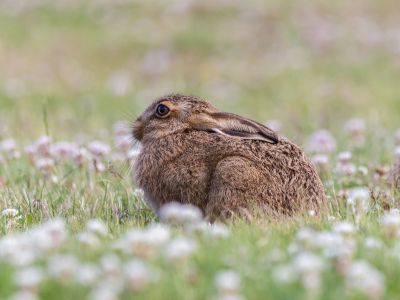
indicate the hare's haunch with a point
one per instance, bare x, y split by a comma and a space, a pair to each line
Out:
223, 163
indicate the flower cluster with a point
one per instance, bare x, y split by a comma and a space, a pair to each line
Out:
40, 254
316, 252
45, 154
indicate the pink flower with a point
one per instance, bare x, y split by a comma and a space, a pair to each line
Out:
121, 128
322, 141
344, 166
355, 126
8, 146
81, 157
64, 150
356, 129
99, 149
43, 145
45, 165
123, 143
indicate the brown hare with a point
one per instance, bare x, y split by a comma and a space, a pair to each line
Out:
225, 164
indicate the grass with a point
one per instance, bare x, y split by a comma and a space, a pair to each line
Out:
72, 71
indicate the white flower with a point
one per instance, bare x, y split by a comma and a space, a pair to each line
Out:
358, 200
138, 275
335, 245
29, 278
363, 170
230, 297
97, 227
344, 157
180, 214
180, 249
8, 146
372, 243
308, 262
138, 193
228, 282
10, 213
275, 255
24, 295
212, 230
305, 237
344, 166
322, 141
88, 238
158, 234
49, 235
359, 194
18, 250
309, 266
365, 279
284, 274
345, 229
111, 266
320, 160
144, 242
218, 230
45, 164
390, 222
103, 293
87, 274
63, 267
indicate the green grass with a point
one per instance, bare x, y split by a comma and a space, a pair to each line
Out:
309, 65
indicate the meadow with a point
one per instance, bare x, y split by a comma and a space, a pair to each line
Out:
75, 74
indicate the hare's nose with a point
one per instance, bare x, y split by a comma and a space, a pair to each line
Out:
138, 130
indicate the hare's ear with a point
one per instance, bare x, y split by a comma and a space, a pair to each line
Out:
233, 125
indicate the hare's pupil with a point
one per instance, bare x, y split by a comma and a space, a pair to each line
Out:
162, 110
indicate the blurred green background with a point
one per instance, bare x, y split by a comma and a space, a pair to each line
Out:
80, 66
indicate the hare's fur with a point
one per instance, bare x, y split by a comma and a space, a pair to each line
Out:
223, 175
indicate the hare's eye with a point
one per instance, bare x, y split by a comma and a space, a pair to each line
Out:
162, 111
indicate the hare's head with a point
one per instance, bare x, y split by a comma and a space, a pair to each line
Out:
177, 113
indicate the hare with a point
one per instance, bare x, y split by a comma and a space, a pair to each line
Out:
225, 164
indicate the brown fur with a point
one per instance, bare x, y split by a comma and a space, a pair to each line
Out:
225, 164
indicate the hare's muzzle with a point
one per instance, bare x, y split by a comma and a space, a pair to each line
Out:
138, 129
